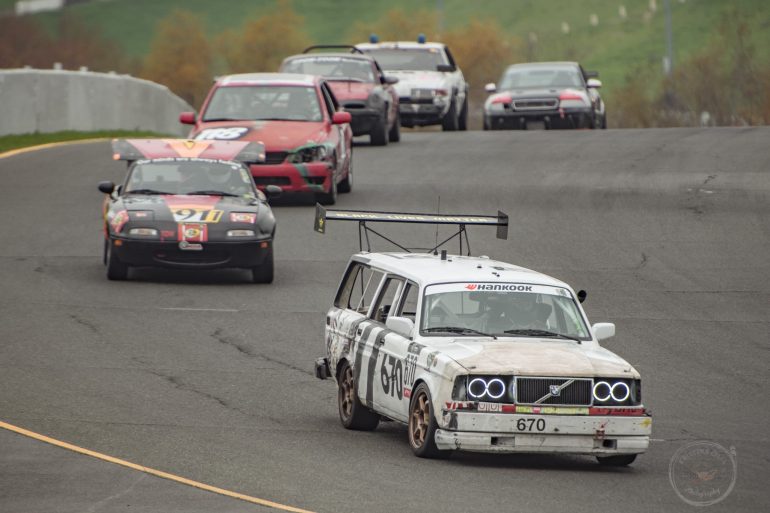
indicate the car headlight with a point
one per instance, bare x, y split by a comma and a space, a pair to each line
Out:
573, 99
143, 232
496, 107
484, 388
309, 154
243, 217
240, 233
614, 392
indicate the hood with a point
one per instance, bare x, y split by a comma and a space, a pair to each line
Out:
275, 135
347, 90
543, 357
161, 205
408, 80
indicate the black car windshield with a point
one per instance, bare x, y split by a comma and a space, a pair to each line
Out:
501, 309
415, 59
264, 102
538, 77
333, 68
171, 176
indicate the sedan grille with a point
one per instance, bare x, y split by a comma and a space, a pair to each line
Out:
274, 157
535, 104
549, 391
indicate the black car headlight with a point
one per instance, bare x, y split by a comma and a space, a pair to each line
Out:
484, 388
309, 154
617, 392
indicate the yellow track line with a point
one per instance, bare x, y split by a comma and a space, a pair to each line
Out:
151, 471
28, 149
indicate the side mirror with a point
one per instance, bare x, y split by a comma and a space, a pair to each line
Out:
187, 118
390, 80
594, 83
402, 325
273, 191
603, 330
106, 187
582, 295
445, 68
340, 118
490, 87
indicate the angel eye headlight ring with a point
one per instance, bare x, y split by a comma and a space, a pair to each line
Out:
617, 397
596, 394
479, 387
618, 391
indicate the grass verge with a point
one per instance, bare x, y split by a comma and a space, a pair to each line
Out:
14, 142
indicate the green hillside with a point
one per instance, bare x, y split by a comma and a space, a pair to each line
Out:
615, 47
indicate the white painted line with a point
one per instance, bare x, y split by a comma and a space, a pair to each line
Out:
200, 309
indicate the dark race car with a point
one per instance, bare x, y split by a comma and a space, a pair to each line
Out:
360, 86
188, 205
545, 95
308, 141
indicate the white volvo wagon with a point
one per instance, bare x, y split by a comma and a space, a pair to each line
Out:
475, 354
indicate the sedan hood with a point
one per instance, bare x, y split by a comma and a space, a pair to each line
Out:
542, 357
408, 80
275, 135
347, 90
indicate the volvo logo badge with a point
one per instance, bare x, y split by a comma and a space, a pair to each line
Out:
555, 390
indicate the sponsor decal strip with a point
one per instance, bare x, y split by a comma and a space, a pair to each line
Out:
542, 410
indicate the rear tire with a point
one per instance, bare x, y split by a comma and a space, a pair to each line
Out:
395, 131
379, 134
450, 121
423, 425
116, 270
621, 460
264, 273
353, 414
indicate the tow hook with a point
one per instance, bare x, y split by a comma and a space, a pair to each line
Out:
322, 370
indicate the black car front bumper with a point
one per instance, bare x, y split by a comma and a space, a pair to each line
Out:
197, 255
551, 119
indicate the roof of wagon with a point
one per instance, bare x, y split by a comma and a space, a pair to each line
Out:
425, 269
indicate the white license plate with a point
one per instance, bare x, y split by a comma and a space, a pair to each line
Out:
535, 125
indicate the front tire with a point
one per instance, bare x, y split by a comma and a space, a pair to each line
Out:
379, 134
423, 425
353, 414
621, 460
265, 272
116, 270
395, 131
450, 121
463, 121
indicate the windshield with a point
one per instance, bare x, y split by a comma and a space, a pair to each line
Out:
170, 176
268, 102
333, 68
539, 77
411, 59
467, 309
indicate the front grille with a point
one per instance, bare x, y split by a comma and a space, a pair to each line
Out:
274, 157
272, 180
536, 104
537, 391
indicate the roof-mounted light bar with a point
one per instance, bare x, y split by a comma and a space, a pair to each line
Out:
323, 215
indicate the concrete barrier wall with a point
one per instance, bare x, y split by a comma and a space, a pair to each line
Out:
55, 100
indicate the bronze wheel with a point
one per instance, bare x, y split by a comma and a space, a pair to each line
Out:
353, 414
422, 425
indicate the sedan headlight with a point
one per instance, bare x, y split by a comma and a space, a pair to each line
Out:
143, 232
616, 392
495, 389
240, 233
309, 154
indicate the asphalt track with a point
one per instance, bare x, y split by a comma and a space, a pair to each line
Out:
209, 377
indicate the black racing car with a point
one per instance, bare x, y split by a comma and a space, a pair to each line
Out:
545, 95
187, 212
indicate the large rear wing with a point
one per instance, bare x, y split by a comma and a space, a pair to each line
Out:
350, 48
137, 149
323, 215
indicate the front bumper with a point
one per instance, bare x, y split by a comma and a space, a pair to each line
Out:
313, 177
572, 434
363, 120
420, 113
212, 255
552, 119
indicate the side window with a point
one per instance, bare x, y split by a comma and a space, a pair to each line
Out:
408, 307
388, 297
329, 100
358, 287
449, 56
